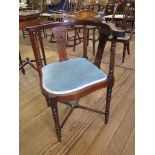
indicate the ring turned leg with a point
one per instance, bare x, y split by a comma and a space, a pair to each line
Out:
108, 99
54, 109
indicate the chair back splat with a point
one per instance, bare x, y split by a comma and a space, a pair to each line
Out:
71, 79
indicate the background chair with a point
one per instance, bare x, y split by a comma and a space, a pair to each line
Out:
109, 8
92, 32
100, 10
69, 80
28, 18
126, 22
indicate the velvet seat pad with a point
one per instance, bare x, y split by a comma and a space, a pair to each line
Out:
70, 75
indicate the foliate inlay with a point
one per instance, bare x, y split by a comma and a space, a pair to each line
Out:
85, 15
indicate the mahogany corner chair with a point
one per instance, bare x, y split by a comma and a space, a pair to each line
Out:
70, 80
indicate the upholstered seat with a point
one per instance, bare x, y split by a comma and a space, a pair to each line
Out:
67, 81
70, 75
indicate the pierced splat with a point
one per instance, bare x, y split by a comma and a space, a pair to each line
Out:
60, 34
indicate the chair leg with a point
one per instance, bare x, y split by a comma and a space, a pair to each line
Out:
87, 37
108, 99
44, 32
75, 33
23, 34
21, 63
128, 48
94, 41
124, 52
52, 37
54, 109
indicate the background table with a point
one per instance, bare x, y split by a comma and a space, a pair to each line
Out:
28, 18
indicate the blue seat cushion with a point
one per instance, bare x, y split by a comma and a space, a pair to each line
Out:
70, 75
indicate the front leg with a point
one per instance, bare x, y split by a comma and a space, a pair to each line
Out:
108, 99
53, 104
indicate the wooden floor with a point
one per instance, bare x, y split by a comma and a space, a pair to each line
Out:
85, 132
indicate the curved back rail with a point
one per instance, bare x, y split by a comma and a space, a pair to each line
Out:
60, 32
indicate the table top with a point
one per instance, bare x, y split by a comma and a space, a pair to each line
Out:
45, 14
28, 12
22, 5
118, 16
53, 15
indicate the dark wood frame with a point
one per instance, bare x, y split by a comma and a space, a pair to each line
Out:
104, 30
